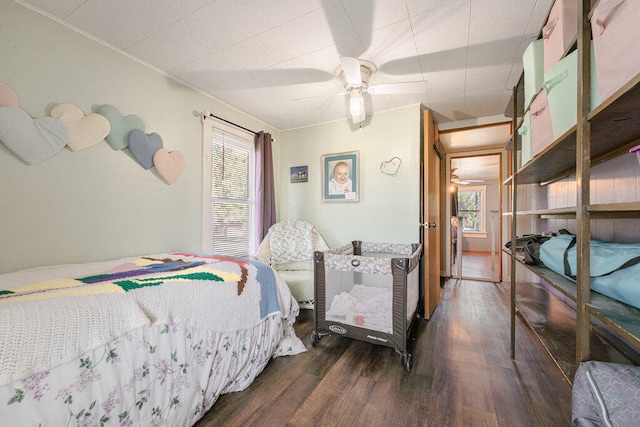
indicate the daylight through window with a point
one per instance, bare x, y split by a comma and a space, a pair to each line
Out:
231, 213
471, 208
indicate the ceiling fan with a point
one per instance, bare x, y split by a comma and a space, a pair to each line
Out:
355, 75
455, 180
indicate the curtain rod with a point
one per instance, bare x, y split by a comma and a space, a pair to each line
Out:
208, 114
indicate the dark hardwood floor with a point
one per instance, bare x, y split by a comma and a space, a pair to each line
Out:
462, 375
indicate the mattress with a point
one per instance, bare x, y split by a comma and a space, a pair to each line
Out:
368, 306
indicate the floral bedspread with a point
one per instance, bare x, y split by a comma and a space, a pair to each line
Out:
169, 371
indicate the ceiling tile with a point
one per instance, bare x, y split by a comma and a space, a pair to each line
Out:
368, 16
187, 40
221, 66
480, 83
298, 37
120, 23
256, 17
59, 8
417, 7
450, 90
442, 30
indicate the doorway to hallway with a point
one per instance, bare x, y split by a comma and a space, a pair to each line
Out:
475, 217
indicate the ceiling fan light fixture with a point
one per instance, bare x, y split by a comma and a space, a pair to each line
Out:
356, 103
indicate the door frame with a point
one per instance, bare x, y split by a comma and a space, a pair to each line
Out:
502, 172
430, 239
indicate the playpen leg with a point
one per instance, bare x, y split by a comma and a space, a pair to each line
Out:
315, 338
406, 361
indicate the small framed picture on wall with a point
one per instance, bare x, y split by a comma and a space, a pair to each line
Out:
341, 177
299, 173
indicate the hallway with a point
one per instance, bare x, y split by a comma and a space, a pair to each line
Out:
479, 265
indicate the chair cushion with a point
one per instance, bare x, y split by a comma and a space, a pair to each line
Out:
290, 241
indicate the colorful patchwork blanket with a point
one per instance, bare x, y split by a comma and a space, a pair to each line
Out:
55, 320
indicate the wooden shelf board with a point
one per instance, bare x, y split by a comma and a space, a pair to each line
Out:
614, 125
622, 319
554, 322
615, 210
615, 207
550, 212
561, 283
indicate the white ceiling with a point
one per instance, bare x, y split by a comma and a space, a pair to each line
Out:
477, 167
468, 139
261, 56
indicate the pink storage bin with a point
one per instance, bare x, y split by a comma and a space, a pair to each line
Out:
615, 25
541, 130
560, 30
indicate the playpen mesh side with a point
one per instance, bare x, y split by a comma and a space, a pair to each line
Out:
362, 290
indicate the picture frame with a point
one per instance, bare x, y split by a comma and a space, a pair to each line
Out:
299, 174
341, 177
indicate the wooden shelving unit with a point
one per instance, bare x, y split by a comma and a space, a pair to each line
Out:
600, 135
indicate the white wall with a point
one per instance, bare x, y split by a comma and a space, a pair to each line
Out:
388, 210
98, 203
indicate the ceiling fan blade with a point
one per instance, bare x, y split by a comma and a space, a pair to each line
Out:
351, 24
328, 95
398, 88
351, 69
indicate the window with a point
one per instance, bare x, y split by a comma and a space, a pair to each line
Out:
471, 208
228, 208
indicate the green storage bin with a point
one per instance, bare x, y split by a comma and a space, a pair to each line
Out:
561, 85
524, 131
533, 64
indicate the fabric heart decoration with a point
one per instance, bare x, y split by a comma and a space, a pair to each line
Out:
143, 146
120, 126
33, 140
169, 164
84, 131
391, 167
8, 97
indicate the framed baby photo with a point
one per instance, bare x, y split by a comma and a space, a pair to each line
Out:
341, 177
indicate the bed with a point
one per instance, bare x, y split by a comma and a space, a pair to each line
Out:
146, 341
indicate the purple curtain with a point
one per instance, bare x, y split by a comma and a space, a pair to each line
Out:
265, 191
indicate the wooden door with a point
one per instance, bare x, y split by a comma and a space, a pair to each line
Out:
430, 215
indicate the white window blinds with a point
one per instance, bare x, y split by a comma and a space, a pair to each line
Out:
231, 211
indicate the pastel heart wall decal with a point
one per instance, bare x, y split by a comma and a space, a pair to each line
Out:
143, 146
391, 167
120, 126
8, 97
84, 131
169, 164
33, 140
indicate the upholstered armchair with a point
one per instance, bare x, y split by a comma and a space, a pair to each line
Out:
288, 247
